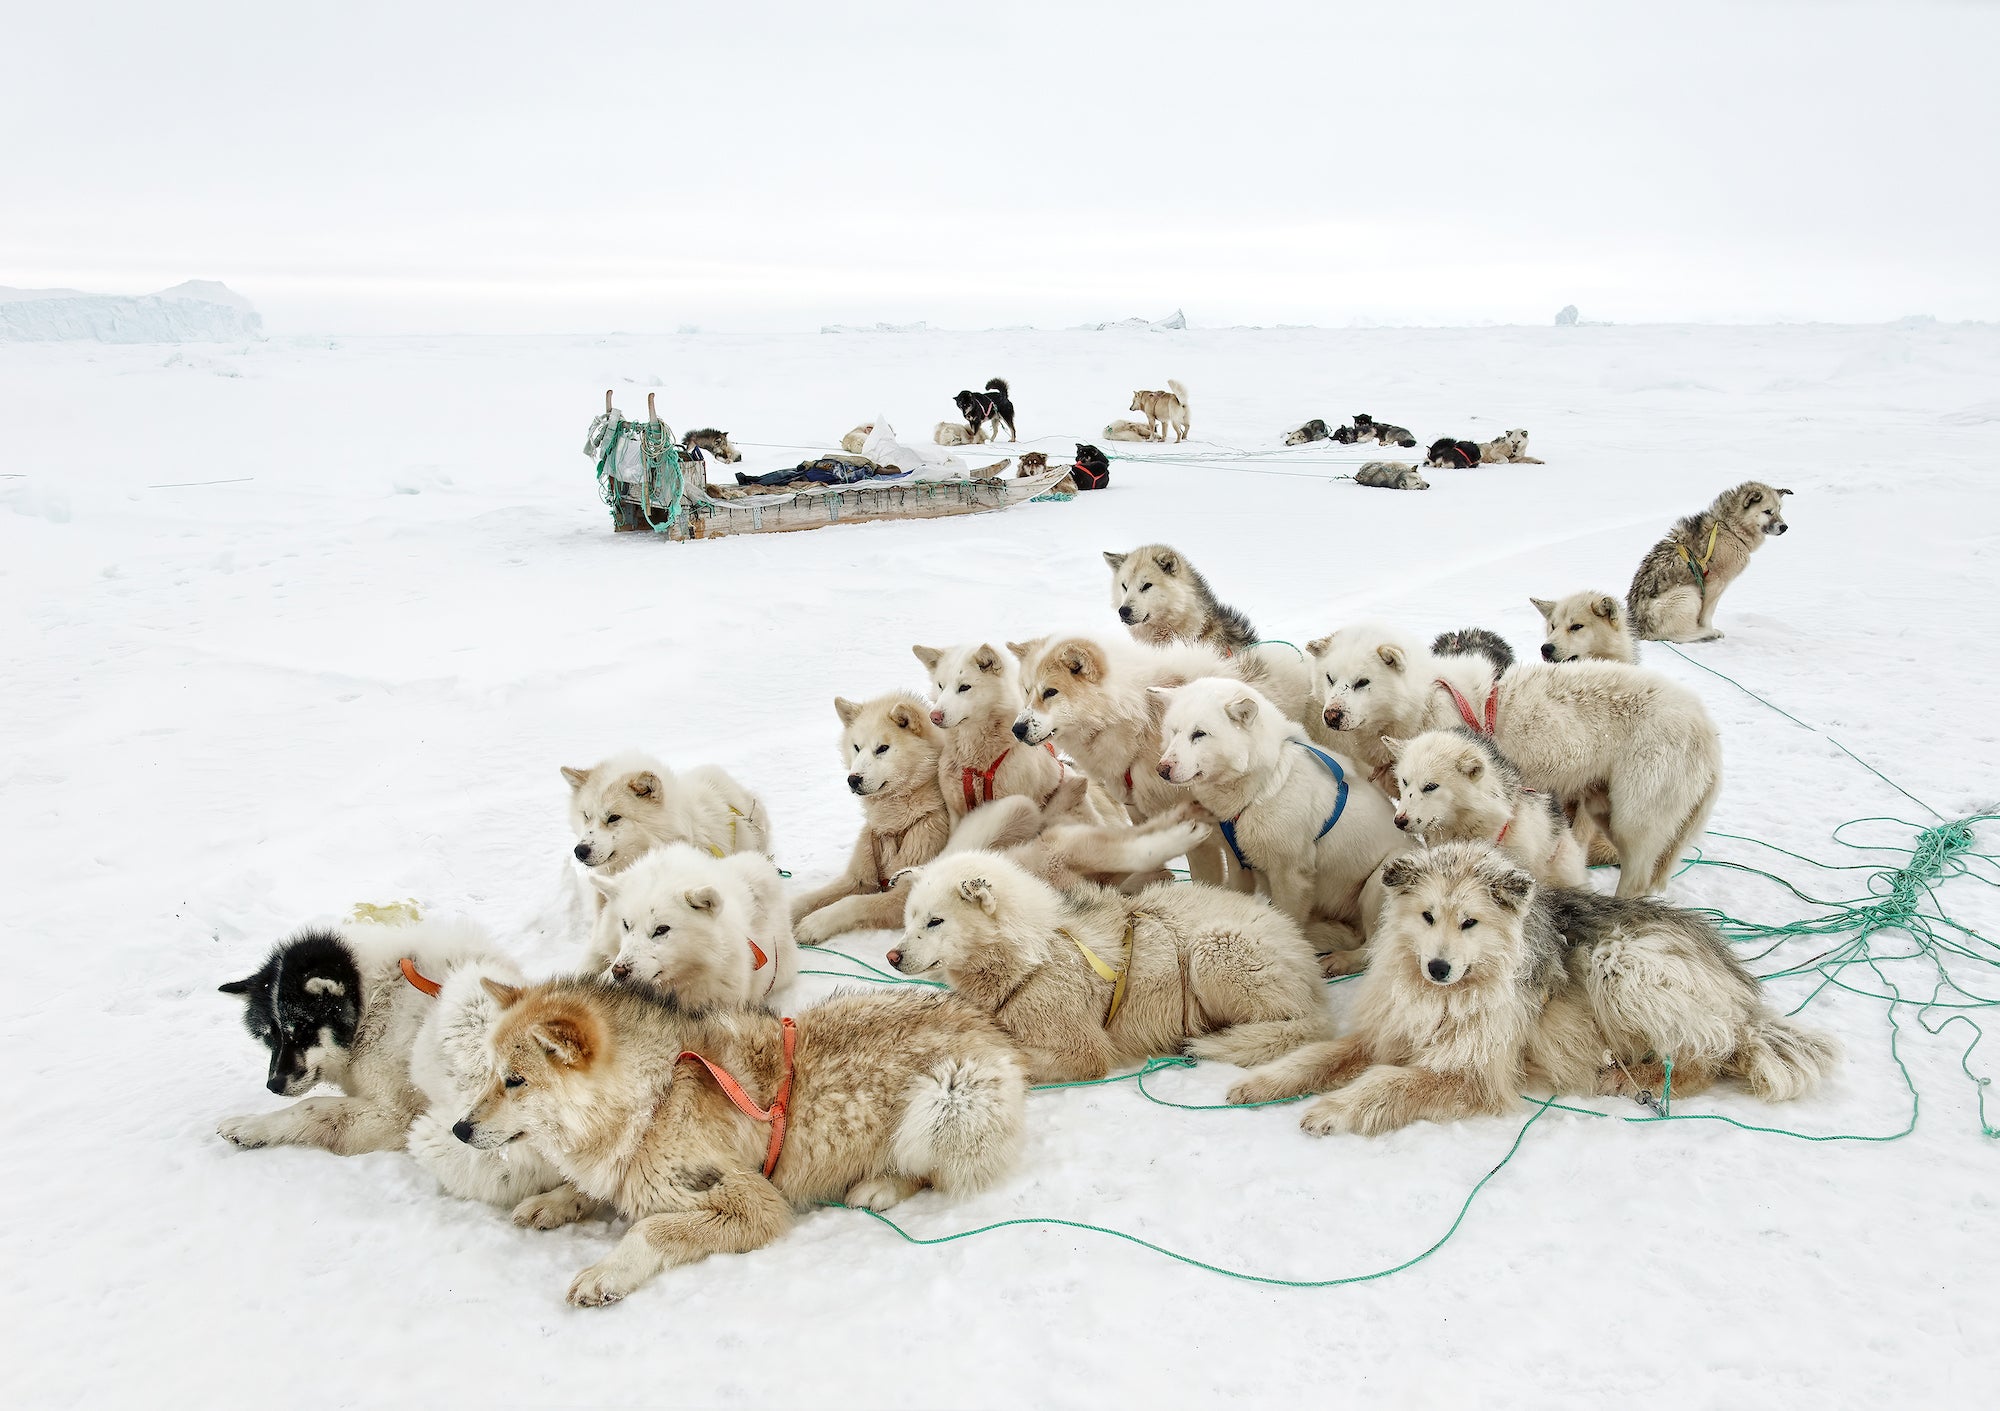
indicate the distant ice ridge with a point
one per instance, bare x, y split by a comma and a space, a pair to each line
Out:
918, 327
1173, 321
199, 311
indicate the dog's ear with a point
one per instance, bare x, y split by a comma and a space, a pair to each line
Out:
503, 995
1546, 608
577, 777
1391, 654
1169, 562
1756, 497
1783, 493
986, 659
1162, 693
1242, 710
1605, 607
1083, 661
607, 885
565, 1040
847, 710
1472, 764
927, 655
1511, 888
702, 898
1117, 561
1399, 872
1394, 746
644, 785
906, 716
1318, 645
979, 891
1021, 649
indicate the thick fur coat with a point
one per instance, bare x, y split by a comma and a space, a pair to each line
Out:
622, 808
1682, 578
1481, 984
1586, 626
1454, 786
707, 930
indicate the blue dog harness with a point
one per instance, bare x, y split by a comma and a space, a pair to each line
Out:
1339, 804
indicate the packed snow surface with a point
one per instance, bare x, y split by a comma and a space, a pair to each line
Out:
296, 624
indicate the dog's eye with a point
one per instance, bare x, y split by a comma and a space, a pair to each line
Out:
513, 1080
934, 921
1468, 923
1331, 682
659, 931
1049, 694
1145, 587
1199, 735
1360, 683
1429, 789
1576, 627
963, 688
1429, 920
881, 749
611, 818
626, 924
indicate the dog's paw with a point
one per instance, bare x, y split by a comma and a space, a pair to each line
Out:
253, 1130
1343, 962
880, 1192
1188, 811
565, 1205
1184, 836
1714, 634
816, 929
1255, 1089
1328, 1116
600, 1284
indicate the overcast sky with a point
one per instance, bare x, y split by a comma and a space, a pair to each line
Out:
432, 167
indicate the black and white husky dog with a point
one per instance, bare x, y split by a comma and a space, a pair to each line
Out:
396, 1017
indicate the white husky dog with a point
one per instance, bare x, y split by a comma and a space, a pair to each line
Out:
710, 931
1630, 744
977, 695
631, 803
1091, 979
1453, 786
1588, 624
1292, 819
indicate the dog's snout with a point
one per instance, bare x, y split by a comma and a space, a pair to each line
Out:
1333, 715
276, 1083
895, 958
620, 971
937, 716
854, 782
1781, 528
1439, 970
1403, 821
1021, 730
1166, 771
1548, 651
462, 1129
1125, 613
582, 852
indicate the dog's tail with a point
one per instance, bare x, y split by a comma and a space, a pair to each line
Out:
997, 384
961, 1122
1263, 1041
1004, 823
1779, 1060
1475, 641
1180, 390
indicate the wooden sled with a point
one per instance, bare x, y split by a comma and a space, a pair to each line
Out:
650, 483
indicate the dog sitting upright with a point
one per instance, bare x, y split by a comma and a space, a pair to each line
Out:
985, 411
978, 693
1683, 577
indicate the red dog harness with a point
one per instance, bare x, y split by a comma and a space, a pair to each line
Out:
975, 796
417, 978
1465, 708
776, 1114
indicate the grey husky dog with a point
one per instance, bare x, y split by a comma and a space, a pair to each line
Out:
1682, 578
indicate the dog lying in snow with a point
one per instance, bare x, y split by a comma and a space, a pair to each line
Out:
854, 440
1682, 578
951, 433
1365, 428
1508, 448
1453, 786
1475, 641
1586, 626
876, 1096
706, 930
1089, 980
629, 804
1311, 841
1391, 475
1637, 749
1482, 983
335, 1007
1314, 430
1452, 454
1127, 431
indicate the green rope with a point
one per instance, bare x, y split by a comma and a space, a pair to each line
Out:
1239, 1274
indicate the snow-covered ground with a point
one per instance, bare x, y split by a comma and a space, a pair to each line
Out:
349, 671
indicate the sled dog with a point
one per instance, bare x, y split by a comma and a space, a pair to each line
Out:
1297, 818
1391, 475
713, 442
1163, 410
1314, 430
1453, 786
629, 804
1091, 979
1635, 746
977, 695
1586, 625
985, 411
1475, 641
1449, 453
1127, 431
951, 433
1508, 448
1679, 582
854, 440
1482, 983
707, 930
1365, 428
864, 1099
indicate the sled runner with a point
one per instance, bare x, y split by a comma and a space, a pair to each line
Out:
650, 482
